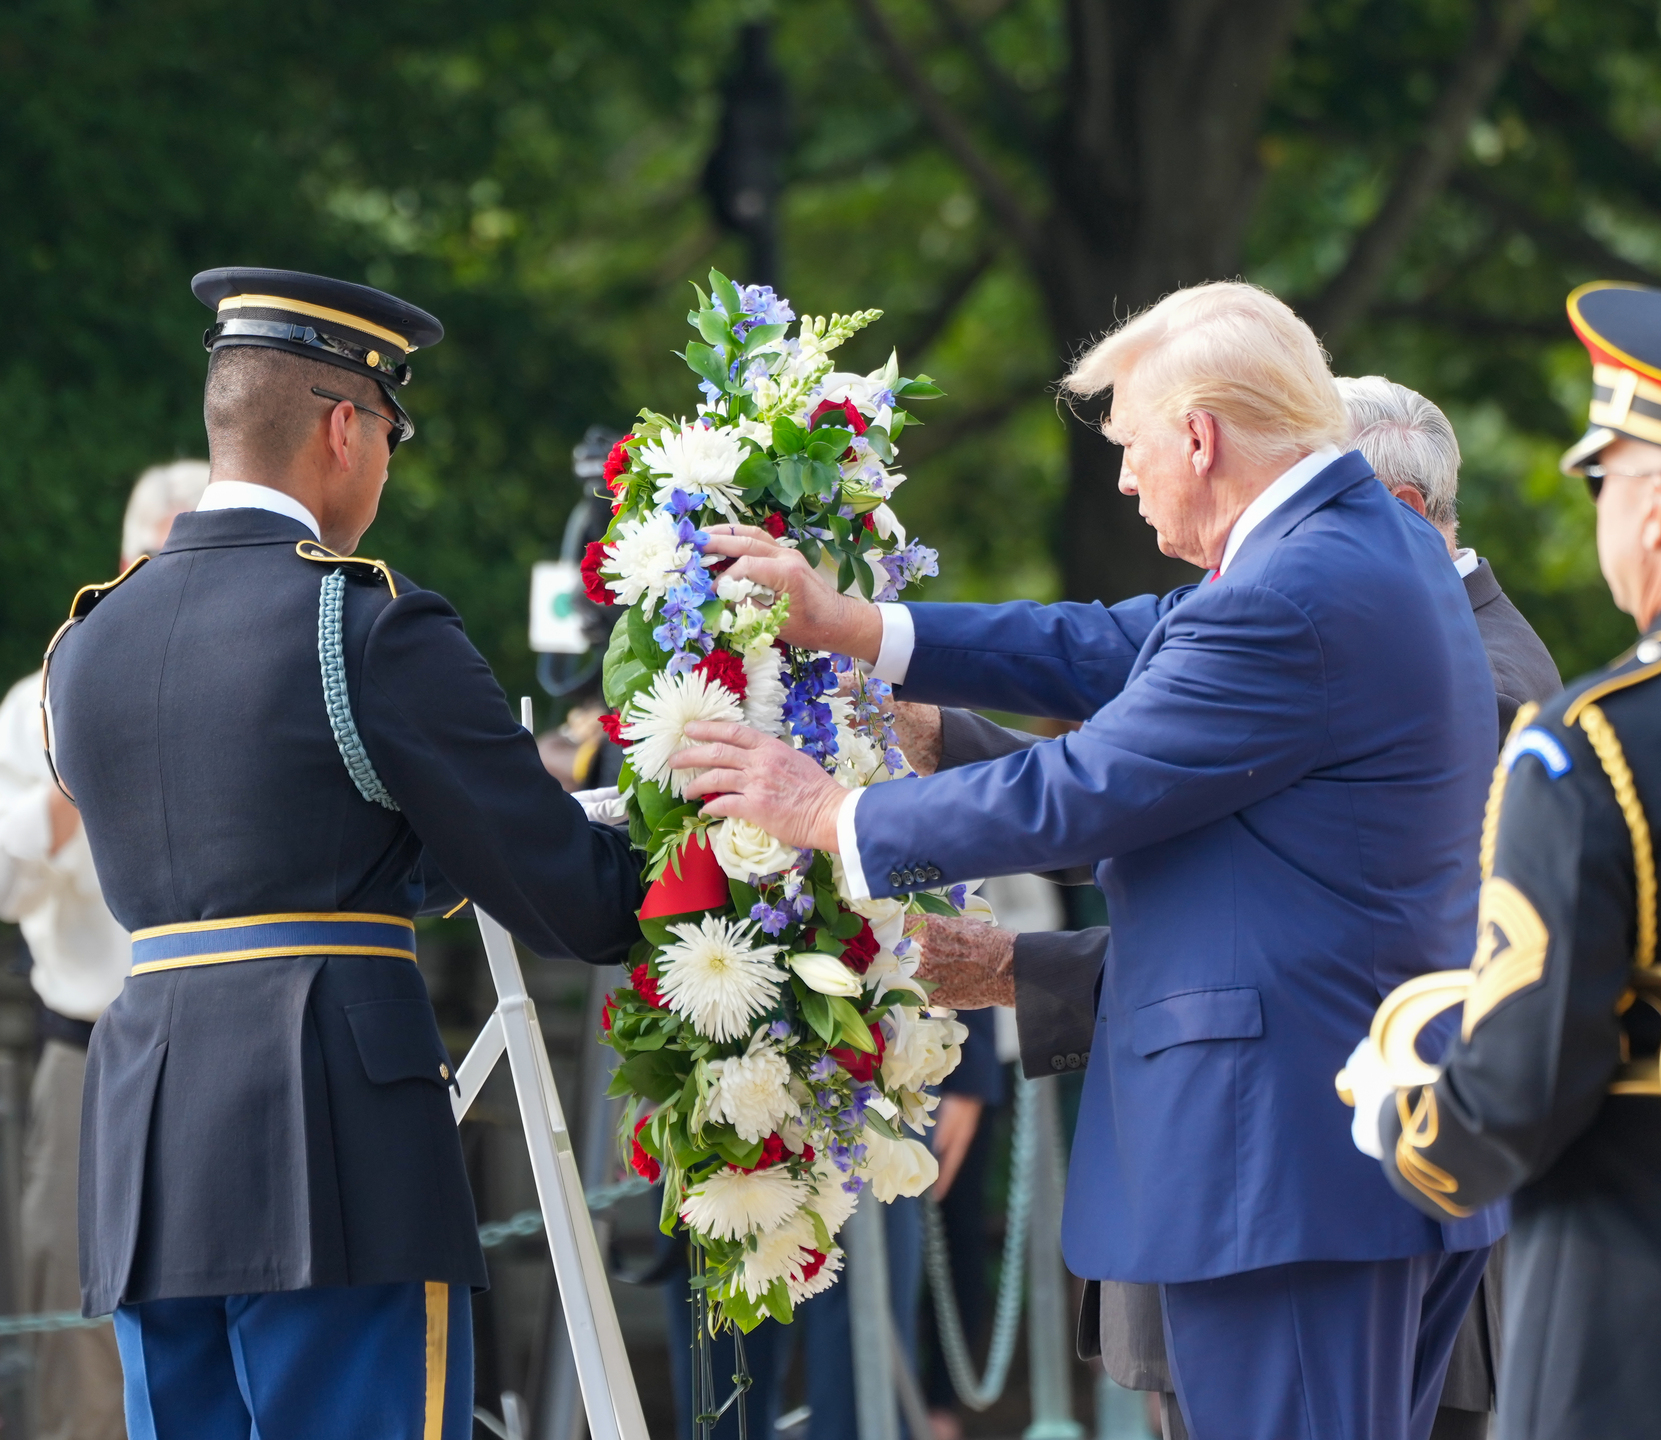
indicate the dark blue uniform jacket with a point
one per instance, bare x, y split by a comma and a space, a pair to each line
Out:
284, 1123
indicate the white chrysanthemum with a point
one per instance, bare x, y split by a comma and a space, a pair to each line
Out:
658, 717
780, 1254
817, 1283
752, 1093
745, 850
922, 1049
729, 1204
830, 1202
698, 458
898, 1167
764, 689
643, 561
716, 978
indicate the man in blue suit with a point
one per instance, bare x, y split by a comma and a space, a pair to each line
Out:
1284, 768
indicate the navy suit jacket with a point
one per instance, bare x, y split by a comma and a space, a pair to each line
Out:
1286, 769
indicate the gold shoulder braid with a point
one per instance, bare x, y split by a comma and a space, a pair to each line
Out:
1496, 789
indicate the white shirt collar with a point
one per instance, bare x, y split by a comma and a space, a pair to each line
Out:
1465, 562
1276, 495
244, 495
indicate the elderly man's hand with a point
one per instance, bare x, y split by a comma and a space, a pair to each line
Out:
820, 618
916, 727
762, 780
971, 963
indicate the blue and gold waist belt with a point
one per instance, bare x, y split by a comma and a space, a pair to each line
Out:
269, 937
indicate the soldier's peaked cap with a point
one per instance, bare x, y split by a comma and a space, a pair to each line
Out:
351, 326
1620, 325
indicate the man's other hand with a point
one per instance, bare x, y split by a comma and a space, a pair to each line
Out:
820, 618
916, 727
971, 963
762, 780
955, 1123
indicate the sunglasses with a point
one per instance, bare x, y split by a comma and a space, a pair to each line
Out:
400, 430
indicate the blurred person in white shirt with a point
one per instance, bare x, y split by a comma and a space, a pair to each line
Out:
48, 887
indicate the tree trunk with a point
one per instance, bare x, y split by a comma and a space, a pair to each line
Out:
1154, 171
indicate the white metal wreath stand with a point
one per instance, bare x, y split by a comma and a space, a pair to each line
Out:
608, 1388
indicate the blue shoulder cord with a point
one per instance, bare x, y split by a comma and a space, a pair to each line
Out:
331, 655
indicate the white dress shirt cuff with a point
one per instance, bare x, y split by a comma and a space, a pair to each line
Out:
26, 828
899, 639
847, 845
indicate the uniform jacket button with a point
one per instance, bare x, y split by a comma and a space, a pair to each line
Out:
1058, 1062
443, 1072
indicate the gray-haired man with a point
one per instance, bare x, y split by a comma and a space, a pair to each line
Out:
1051, 978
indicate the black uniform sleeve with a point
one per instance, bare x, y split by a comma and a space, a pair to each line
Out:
467, 777
1057, 974
1541, 1036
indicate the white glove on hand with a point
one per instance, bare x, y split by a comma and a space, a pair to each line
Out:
605, 805
1370, 1087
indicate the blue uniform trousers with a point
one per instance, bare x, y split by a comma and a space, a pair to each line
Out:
373, 1362
1318, 1350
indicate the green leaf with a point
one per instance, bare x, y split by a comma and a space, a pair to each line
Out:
824, 904
722, 289
645, 649
881, 1126
829, 442
845, 574
744, 897
810, 550
816, 1011
658, 932
762, 335
922, 388
733, 1150
823, 478
792, 475
707, 363
755, 474
840, 527
655, 801
821, 1234
788, 437
625, 681
648, 1040
934, 904
846, 924
853, 1027
778, 1302
882, 446
713, 326
651, 1073
865, 577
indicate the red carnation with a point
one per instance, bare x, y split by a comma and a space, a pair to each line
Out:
843, 412
644, 1165
722, 667
617, 463
869, 521
606, 1012
612, 723
772, 1151
593, 586
860, 1065
774, 525
813, 1264
858, 953
644, 982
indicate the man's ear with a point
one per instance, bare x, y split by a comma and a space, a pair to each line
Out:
1202, 437
1410, 497
340, 435
1649, 532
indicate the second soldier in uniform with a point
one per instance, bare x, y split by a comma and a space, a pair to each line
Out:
281, 757
1550, 1091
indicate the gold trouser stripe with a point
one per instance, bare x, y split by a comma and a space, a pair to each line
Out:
1613, 759
1496, 791
196, 927
317, 312
438, 1356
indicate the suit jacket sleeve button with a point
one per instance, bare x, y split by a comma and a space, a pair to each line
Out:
894, 878
1058, 1062
1073, 1061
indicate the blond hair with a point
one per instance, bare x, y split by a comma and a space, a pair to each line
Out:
1234, 351
159, 494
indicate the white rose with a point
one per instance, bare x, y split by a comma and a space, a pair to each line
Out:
825, 973
745, 850
898, 1167
922, 1050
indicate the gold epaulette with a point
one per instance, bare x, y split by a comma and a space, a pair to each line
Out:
359, 565
89, 595
1593, 693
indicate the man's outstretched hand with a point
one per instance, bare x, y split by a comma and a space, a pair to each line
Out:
820, 618
762, 780
971, 963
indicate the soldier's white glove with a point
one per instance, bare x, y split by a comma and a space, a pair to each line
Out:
1369, 1087
605, 806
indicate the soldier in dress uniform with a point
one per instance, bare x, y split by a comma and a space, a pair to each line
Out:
1550, 1090
282, 754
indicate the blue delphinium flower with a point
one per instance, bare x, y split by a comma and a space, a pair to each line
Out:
806, 712
772, 919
